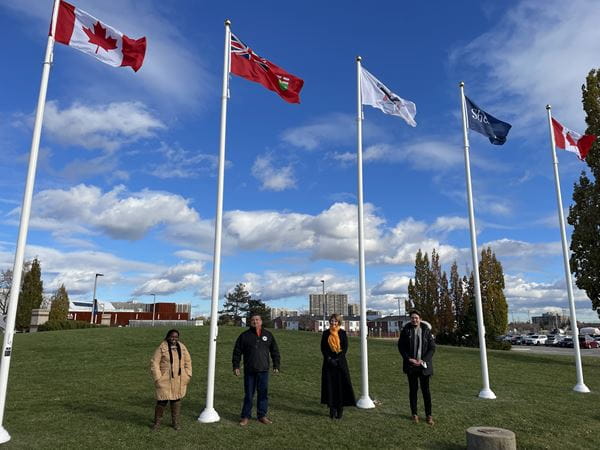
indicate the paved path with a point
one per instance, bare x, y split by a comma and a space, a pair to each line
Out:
554, 350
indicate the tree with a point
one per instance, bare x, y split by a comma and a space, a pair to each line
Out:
456, 294
257, 306
235, 306
495, 308
59, 309
5, 284
419, 291
584, 214
445, 313
30, 296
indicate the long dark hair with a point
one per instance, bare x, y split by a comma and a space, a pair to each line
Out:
172, 331
171, 353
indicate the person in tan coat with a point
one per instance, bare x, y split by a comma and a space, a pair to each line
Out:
171, 368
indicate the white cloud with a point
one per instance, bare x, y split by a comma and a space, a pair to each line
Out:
274, 285
392, 284
103, 126
120, 215
273, 178
181, 277
447, 224
530, 42
181, 163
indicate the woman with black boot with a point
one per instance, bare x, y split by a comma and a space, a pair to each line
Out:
336, 387
171, 368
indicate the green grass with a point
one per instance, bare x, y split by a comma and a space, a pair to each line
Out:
92, 389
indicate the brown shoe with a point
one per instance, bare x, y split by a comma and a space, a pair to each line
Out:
429, 420
415, 419
265, 420
243, 421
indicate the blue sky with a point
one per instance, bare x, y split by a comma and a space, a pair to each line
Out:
126, 181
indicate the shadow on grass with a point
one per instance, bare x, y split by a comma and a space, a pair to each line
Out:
114, 413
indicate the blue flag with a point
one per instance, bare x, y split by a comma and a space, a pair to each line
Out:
486, 124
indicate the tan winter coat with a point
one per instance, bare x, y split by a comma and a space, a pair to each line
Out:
168, 383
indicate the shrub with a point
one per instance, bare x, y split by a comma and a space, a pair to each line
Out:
56, 325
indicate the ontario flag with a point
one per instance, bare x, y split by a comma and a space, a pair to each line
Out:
247, 64
78, 29
571, 141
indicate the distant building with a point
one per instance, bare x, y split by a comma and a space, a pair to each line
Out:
330, 303
353, 309
373, 314
387, 326
120, 313
283, 312
549, 320
287, 323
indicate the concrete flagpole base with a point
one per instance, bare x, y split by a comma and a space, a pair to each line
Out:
487, 394
579, 387
365, 402
209, 415
4, 436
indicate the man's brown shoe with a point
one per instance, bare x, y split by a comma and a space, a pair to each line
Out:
415, 418
429, 420
243, 422
265, 420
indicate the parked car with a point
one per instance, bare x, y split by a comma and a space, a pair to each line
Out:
516, 340
552, 338
557, 340
566, 342
588, 341
536, 339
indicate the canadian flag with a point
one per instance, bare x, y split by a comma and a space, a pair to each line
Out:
79, 30
571, 141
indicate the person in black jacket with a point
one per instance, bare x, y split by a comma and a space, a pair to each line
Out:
255, 344
336, 387
416, 345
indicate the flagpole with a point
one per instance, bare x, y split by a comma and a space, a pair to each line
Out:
24, 227
364, 402
485, 392
209, 414
580, 386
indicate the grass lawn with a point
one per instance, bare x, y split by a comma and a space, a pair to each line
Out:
92, 389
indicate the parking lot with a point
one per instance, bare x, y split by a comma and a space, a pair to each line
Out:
541, 349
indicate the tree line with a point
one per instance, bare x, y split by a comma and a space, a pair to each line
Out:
448, 302
31, 295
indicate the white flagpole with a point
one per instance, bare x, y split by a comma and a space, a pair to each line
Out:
485, 392
364, 402
209, 414
24, 227
580, 386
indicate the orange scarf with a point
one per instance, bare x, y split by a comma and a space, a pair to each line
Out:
334, 339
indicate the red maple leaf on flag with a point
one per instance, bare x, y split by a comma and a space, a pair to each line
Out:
99, 38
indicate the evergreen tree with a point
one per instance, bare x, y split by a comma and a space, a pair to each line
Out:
235, 306
584, 214
495, 308
30, 296
432, 301
257, 306
59, 309
456, 294
467, 329
445, 313
418, 292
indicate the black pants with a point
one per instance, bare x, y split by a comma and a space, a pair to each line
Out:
414, 378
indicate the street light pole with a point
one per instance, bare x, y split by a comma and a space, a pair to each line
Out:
153, 308
94, 296
324, 305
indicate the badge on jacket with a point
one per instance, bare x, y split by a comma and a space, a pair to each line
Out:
264, 338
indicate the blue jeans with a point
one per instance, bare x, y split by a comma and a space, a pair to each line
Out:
256, 381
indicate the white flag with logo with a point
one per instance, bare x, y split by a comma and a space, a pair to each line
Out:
374, 93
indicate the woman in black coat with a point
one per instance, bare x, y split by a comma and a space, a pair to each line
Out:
336, 387
416, 345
